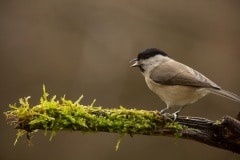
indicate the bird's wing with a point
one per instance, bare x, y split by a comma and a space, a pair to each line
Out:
175, 73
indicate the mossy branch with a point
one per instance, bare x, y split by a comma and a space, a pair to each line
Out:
57, 115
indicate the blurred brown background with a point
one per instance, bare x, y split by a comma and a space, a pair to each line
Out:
78, 47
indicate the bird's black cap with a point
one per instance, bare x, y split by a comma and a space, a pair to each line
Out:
150, 52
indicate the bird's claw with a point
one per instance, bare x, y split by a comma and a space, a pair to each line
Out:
166, 116
169, 116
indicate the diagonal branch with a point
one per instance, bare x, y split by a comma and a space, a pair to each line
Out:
56, 115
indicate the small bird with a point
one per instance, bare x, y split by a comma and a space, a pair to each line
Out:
175, 83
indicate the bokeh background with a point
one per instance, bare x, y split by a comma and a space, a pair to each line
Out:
78, 47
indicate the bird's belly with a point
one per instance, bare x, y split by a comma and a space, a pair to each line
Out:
176, 95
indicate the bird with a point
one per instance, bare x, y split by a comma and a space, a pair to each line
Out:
177, 84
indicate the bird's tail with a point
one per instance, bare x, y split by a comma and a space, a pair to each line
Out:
226, 94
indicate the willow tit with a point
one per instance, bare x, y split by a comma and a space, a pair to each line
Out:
175, 83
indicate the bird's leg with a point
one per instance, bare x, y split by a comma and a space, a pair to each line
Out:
176, 114
166, 115
163, 110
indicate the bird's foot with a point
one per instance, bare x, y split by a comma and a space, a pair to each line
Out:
162, 113
175, 115
167, 116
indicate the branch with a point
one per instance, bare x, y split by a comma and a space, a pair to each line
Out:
57, 115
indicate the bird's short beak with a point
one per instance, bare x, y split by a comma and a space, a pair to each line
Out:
135, 64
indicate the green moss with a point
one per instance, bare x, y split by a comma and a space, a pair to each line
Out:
176, 127
218, 122
56, 115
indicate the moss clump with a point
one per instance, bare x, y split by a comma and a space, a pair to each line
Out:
56, 115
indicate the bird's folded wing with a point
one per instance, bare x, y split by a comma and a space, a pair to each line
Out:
175, 73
